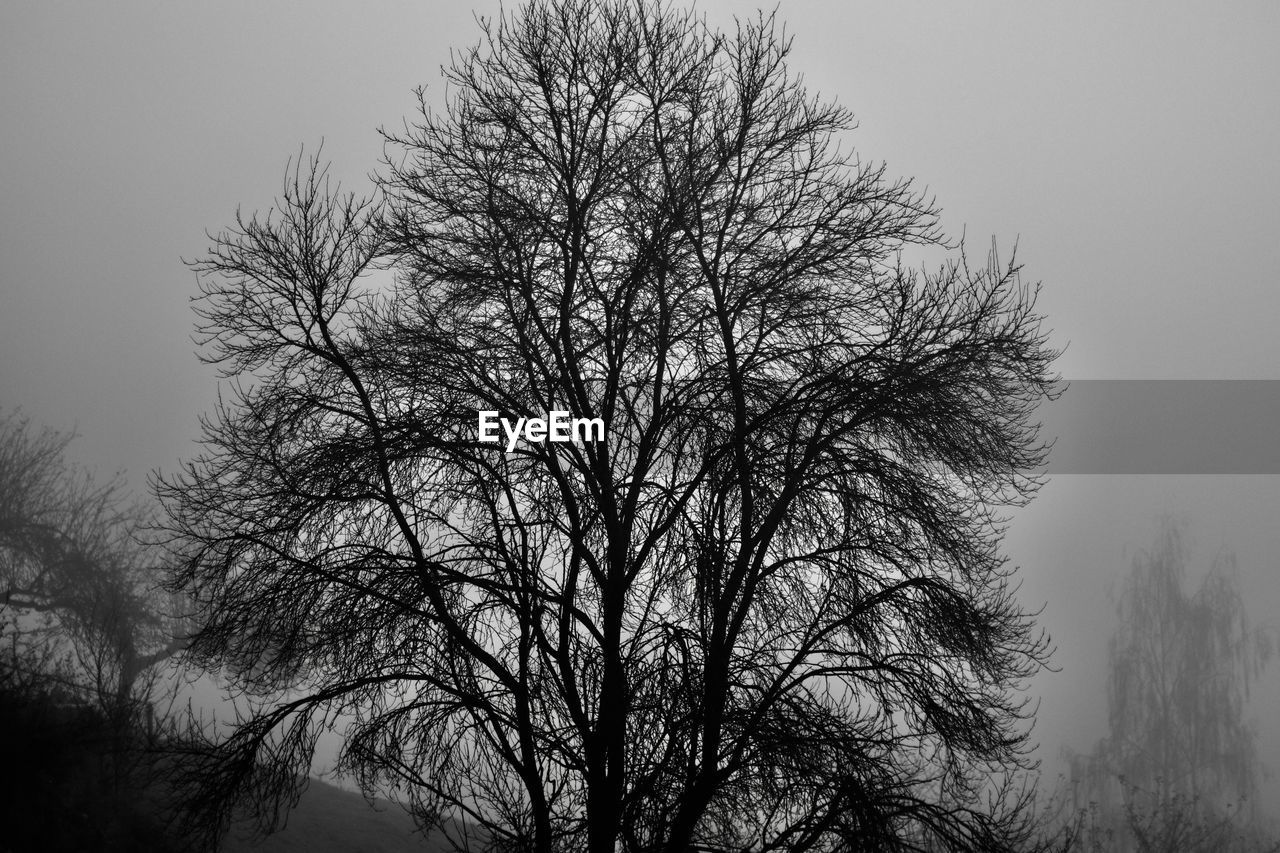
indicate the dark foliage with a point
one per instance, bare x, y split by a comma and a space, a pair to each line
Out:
75, 781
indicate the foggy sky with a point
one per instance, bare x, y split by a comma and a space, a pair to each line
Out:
1130, 153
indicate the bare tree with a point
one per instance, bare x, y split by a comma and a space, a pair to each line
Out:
75, 576
1179, 769
767, 611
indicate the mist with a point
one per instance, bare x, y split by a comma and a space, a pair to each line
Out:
1127, 154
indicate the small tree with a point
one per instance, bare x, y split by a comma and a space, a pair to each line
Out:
766, 611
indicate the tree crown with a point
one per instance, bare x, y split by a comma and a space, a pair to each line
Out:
767, 610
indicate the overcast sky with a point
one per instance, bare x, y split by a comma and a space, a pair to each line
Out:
1131, 152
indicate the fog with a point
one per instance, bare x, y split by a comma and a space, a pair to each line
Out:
1129, 153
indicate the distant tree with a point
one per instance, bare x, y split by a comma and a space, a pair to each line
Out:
75, 578
768, 611
1179, 769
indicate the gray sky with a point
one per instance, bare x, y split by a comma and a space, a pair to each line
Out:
1130, 151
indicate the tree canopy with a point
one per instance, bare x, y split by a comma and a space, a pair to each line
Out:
767, 611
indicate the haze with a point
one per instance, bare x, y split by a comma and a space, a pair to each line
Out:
1129, 152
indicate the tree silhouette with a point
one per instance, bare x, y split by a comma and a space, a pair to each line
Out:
767, 611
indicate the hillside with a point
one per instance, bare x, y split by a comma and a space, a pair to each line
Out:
329, 818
